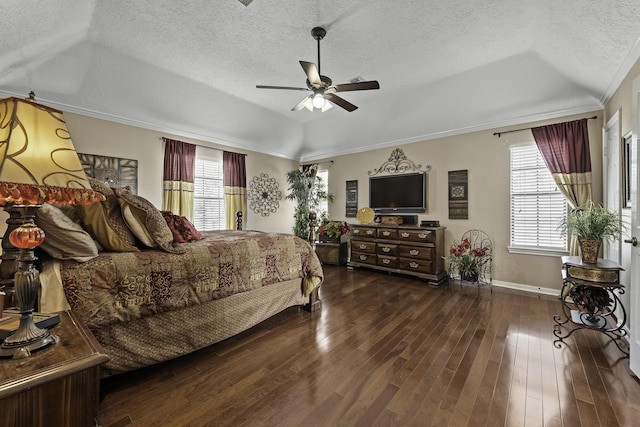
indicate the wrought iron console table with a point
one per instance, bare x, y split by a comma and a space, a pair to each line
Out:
590, 300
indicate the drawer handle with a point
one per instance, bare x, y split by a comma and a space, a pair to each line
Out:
386, 233
404, 234
363, 246
386, 249
414, 252
414, 265
369, 231
423, 235
363, 257
386, 261
356, 231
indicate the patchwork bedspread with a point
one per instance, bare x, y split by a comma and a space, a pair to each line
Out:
119, 287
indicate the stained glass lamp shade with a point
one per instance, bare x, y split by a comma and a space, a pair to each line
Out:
38, 164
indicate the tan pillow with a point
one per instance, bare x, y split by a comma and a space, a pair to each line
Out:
135, 220
64, 239
104, 221
144, 216
95, 222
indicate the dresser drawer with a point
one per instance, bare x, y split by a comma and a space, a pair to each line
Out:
360, 231
415, 265
363, 246
387, 249
426, 236
387, 233
387, 261
364, 258
416, 252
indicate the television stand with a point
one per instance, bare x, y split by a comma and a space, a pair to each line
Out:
404, 249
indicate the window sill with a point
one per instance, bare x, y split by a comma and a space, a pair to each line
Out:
536, 251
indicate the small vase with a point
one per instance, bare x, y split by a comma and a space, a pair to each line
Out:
589, 249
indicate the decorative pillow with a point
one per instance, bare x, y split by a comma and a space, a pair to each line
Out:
182, 229
104, 221
136, 223
64, 239
101, 187
71, 212
148, 220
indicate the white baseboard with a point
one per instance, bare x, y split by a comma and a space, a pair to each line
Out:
527, 288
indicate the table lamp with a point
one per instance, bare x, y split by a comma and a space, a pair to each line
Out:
38, 164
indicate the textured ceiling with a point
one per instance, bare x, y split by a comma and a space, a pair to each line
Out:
191, 67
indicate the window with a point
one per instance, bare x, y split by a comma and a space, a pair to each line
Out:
324, 205
208, 195
537, 205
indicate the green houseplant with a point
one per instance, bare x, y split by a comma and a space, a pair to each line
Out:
308, 190
331, 230
591, 224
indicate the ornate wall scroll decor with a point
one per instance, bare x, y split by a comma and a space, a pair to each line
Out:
113, 171
352, 199
458, 195
398, 163
264, 196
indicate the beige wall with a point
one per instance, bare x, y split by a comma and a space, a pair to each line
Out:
486, 157
101, 137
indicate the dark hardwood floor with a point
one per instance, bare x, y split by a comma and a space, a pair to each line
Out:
387, 350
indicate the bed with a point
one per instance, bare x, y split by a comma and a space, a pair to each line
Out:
149, 305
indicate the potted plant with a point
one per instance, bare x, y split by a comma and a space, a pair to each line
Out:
330, 230
308, 190
591, 225
468, 260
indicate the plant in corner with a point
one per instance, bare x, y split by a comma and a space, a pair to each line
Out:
592, 224
308, 190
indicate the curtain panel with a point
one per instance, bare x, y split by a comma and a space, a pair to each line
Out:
235, 188
565, 150
179, 160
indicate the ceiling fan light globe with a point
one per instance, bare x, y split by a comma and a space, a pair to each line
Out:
318, 100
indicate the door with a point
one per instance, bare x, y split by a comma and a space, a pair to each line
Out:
613, 173
634, 285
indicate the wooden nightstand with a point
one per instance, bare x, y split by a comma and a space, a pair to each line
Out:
57, 385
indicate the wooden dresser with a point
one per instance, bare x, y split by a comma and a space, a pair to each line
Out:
404, 249
57, 385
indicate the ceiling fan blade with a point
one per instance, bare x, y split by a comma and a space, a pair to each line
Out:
307, 103
281, 87
373, 84
312, 73
341, 102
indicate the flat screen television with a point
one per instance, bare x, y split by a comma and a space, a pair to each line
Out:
398, 193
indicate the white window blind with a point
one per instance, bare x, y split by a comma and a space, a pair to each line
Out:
208, 197
537, 205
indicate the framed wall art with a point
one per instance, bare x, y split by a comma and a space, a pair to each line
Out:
113, 171
458, 194
352, 199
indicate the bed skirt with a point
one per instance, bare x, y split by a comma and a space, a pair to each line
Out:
164, 336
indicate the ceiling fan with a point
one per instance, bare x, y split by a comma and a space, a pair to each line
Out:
322, 87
